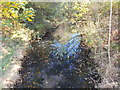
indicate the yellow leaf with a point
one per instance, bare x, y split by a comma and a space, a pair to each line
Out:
74, 31
0, 15
15, 6
14, 15
29, 11
29, 19
30, 15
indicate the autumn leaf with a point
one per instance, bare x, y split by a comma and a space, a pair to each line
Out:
29, 19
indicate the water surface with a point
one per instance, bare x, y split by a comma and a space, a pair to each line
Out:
50, 64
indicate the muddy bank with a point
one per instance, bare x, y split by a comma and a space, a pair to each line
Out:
11, 75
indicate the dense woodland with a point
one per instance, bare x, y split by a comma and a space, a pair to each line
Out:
25, 22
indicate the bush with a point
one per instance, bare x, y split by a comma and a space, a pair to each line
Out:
13, 14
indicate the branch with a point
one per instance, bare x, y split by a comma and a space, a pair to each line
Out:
109, 37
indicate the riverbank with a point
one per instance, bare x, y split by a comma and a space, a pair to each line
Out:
12, 53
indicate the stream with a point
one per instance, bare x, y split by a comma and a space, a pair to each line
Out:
50, 64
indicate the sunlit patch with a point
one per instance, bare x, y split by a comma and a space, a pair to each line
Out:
15, 68
5, 51
1, 57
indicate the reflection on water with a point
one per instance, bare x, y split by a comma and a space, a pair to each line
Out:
50, 64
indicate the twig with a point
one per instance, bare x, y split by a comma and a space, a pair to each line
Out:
109, 37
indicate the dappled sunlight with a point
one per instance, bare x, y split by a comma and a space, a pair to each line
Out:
5, 51
59, 45
23, 34
15, 68
1, 57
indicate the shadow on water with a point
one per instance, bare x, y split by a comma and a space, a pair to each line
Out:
50, 64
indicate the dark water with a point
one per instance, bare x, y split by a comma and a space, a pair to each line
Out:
50, 64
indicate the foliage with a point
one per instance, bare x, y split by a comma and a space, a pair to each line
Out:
13, 17
13, 14
91, 20
46, 17
74, 12
23, 34
21, 20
